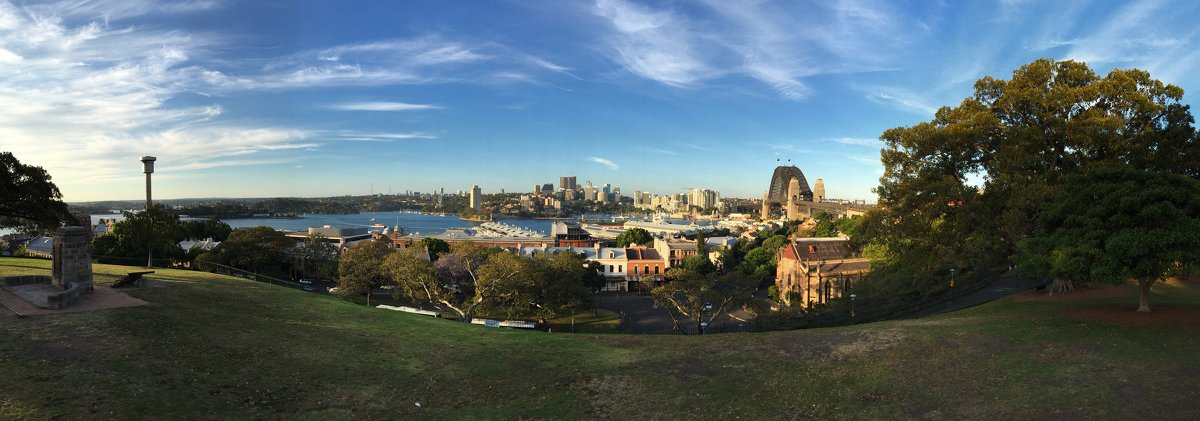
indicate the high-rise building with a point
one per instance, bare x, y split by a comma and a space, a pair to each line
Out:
589, 192
637, 197
567, 183
547, 189
537, 189
703, 198
476, 198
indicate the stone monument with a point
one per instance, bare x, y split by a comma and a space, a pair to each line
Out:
72, 267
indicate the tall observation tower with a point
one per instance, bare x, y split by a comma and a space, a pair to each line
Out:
148, 168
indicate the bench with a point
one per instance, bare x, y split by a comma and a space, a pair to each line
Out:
131, 278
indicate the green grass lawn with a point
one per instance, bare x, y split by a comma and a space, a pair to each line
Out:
218, 347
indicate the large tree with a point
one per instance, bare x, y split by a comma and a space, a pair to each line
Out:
632, 236
317, 251
141, 236
361, 268
1116, 224
256, 249
1019, 137
27, 197
702, 297
416, 278
200, 230
157, 227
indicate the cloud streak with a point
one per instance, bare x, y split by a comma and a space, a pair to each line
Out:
382, 106
604, 162
776, 45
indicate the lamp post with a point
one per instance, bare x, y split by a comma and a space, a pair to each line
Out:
704, 324
951, 277
852, 297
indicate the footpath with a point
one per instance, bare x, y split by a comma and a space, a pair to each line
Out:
1003, 286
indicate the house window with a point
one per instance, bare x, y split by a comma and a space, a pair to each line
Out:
646, 270
656, 270
610, 269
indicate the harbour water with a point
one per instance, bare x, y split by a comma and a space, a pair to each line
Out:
411, 222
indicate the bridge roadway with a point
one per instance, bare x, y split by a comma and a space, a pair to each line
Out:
833, 207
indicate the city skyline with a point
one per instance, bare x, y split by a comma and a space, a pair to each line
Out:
320, 100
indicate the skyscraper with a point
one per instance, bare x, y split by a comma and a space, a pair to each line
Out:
567, 183
476, 198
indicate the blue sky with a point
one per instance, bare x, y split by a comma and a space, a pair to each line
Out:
319, 98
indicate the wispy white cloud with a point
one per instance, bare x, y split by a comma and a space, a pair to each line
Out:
657, 45
84, 97
659, 151
430, 59
382, 106
373, 137
603, 162
898, 98
858, 141
777, 45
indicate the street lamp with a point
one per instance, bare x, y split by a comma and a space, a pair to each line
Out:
951, 277
852, 297
704, 324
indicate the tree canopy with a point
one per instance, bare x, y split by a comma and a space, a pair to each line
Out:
361, 268
700, 298
28, 198
257, 249
634, 236
1019, 137
140, 236
1116, 224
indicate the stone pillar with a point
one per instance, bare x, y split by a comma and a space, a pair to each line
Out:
72, 258
819, 190
793, 199
766, 207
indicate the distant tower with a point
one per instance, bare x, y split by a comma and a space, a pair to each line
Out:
819, 191
766, 207
476, 198
793, 199
148, 168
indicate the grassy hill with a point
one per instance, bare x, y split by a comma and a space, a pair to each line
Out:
217, 347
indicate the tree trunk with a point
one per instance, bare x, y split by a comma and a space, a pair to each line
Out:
150, 259
1144, 301
1061, 285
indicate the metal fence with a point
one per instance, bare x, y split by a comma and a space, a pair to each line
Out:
232, 271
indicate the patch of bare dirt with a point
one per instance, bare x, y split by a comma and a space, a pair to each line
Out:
868, 342
1095, 292
609, 395
1127, 315
1177, 281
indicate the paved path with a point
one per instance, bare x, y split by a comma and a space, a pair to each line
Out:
642, 316
1005, 285
101, 298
